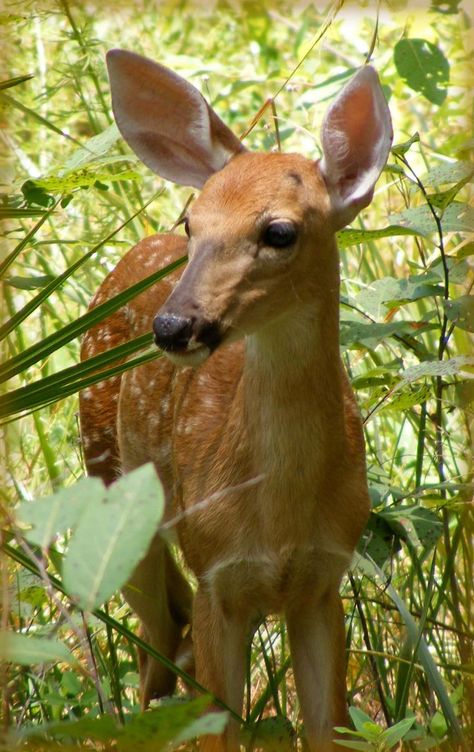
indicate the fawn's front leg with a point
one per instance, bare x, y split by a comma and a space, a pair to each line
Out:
317, 643
219, 652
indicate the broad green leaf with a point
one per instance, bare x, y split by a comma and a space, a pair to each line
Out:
54, 515
378, 540
448, 172
70, 683
394, 734
360, 746
384, 293
423, 67
211, 723
349, 236
113, 536
104, 728
79, 179
443, 199
450, 367
27, 650
403, 400
172, 723
416, 524
457, 217
272, 733
461, 311
359, 718
95, 147
354, 332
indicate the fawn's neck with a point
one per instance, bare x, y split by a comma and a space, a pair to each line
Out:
293, 366
294, 407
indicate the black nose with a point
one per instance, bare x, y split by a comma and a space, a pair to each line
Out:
172, 333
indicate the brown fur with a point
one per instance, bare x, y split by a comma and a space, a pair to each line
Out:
276, 412
260, 447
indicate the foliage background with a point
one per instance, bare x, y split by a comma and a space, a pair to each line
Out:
405, 304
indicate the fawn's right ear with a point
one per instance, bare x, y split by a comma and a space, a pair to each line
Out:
166, 121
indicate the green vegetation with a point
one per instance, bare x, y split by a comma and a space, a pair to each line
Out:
74, 199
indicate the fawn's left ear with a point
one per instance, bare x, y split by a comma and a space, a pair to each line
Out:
356, 136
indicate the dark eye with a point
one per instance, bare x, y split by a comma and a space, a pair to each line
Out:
186, 226
279, 234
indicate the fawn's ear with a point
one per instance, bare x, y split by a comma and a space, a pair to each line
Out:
356, 136
166, 121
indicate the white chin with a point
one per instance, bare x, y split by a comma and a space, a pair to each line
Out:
189, 358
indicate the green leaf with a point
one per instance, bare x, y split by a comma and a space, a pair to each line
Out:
27, 650
211, 723
401, 149
70, 683
54, 515
350, 236
272, 733
94, 148
457, 217
386, 292
378, 540
404, 400
449, 172
394, 734
423, 67
112, 536
172, 723
451, 367
354, 332
461, 311
416, 524
359, 718
34, 189
29, 283
9, 82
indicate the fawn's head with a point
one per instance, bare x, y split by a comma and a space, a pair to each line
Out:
261, 233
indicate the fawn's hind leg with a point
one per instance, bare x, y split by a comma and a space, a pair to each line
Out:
162, 599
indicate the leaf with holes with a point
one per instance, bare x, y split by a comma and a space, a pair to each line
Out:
385, 293
449, 172
423, 67
378, 540
415, 524
451, 367
404, 400
113, 536
457, 217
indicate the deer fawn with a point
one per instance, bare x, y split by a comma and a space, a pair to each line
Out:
250, 420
